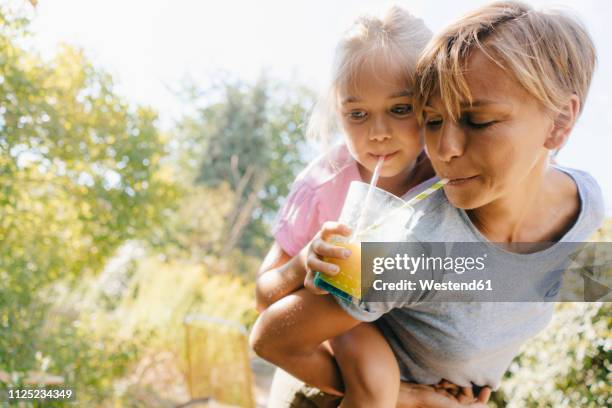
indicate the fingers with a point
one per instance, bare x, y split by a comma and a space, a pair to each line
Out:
310, 285
445, 393
436, 396
313, 263
318, 249
449, 387
466, 395
463, 395
484, 395
334, 228
323, 248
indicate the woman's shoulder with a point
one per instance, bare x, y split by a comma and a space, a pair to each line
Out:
588, 187
592, 207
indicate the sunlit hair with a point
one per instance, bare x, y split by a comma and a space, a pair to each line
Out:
389, 44
548, 52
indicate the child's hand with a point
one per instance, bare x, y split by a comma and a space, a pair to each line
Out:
319, 248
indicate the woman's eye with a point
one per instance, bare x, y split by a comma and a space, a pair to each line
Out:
475, 124
482, 125
433, 123
402, 110
357, 115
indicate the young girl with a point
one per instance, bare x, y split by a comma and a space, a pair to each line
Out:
502, 88
372, 98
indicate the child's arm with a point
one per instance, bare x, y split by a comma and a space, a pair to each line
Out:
278, 276
283, 269
281, 275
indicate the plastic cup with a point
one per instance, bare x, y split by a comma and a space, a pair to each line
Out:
347, 283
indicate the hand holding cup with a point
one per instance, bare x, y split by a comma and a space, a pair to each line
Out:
321, 248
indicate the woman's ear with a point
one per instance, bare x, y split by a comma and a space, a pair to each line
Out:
563, 124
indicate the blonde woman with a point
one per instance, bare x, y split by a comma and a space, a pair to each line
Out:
501, 88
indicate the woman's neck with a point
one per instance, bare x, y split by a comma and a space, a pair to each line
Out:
541, 208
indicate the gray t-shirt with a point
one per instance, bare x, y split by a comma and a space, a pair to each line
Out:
469, 342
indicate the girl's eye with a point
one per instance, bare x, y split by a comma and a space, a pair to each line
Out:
357, 115
402, 110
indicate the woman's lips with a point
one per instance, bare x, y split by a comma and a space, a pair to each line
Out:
459, 181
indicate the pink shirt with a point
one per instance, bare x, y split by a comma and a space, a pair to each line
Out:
316, 196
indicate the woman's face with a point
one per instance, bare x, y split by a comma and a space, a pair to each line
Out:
378, 120
496, 144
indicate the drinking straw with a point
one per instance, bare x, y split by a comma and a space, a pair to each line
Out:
419, 197
368, 197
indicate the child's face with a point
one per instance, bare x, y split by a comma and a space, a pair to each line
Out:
378, 120
496, 145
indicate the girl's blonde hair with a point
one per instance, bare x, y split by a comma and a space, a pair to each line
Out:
548, 52
389, 43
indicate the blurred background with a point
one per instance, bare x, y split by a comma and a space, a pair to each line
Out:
145, 147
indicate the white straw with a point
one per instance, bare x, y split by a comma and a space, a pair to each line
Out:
368, 197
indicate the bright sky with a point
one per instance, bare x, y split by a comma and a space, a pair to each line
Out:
149, 46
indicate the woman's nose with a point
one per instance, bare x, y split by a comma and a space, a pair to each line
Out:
451, 142
380, 129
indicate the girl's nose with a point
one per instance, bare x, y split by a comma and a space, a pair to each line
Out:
380, 130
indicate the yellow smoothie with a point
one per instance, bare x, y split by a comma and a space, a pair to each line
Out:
349, 278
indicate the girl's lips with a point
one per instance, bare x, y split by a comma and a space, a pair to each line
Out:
386, 156
460, 181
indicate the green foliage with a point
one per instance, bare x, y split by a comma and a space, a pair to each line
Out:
248, 137
569, 363
88, 359
78, 168
196, 229
80, 174
161, 294
83, 174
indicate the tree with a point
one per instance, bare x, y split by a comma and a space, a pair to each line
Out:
249, 138
80, 174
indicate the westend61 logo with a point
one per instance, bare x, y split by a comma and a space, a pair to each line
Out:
412, 264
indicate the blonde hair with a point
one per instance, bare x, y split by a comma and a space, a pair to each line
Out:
548, 52
391, 42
